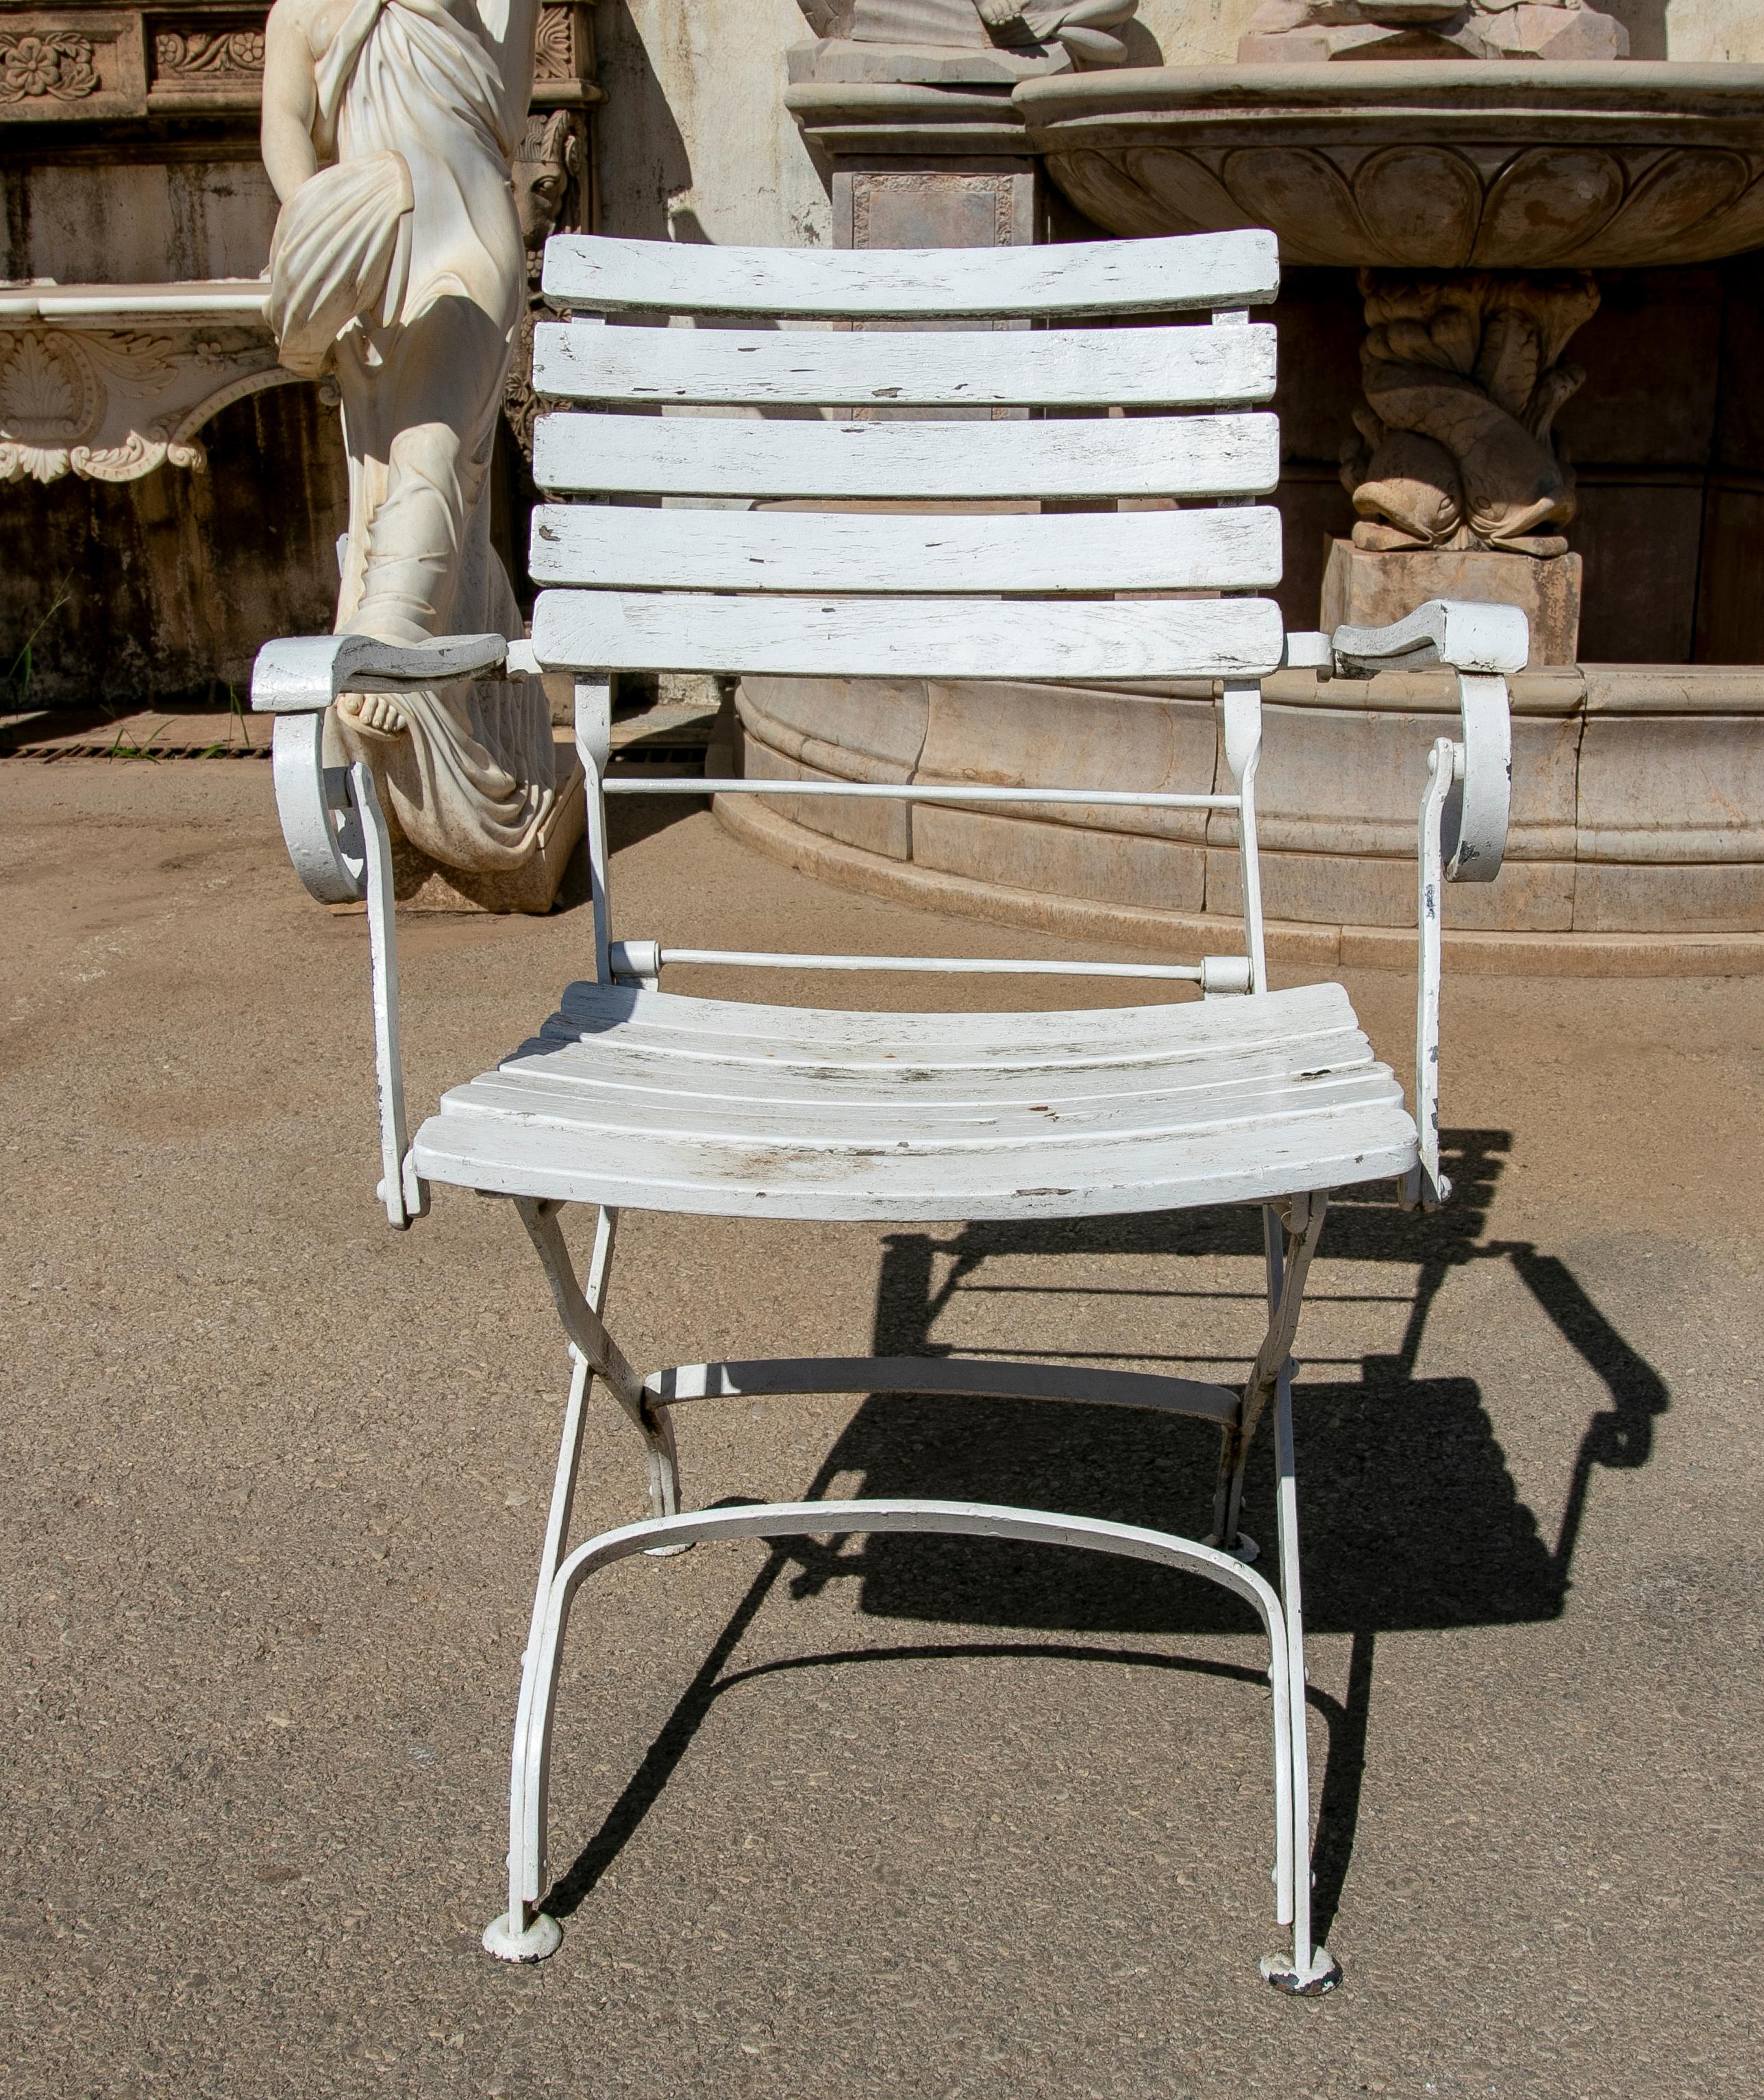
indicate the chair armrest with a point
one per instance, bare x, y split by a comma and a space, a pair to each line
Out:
1493, 639
305, 673
1464, 815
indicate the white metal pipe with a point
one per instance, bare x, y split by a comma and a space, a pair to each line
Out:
908, 791
985, 965
974, 1519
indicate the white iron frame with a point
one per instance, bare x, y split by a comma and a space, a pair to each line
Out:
338, 837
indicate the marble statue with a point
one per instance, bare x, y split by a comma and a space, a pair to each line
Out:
398, 264
1463, 375
1029, 35
1313, 32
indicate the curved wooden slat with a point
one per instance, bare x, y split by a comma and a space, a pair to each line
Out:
648, 1099
927, 462
1193, 366
745, 550
599, 274
898, 637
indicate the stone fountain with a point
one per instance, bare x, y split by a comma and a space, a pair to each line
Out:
1476, 196
1474, 199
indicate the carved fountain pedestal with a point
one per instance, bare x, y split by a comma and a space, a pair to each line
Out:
1455, 234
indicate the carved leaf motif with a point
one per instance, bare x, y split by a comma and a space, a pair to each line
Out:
32, 67
137, 361
44, 395
41, 462
554, 50
204, 56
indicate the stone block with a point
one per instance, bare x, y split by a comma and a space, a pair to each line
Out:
1048, 736
1703, 899
1350, 889
980, 203
1060, 861
881, 721
879, 828
1668, 789
1362, 588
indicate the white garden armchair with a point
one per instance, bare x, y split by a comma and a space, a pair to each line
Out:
631, 1096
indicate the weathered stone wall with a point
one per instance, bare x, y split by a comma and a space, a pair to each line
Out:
158, 592
695, 142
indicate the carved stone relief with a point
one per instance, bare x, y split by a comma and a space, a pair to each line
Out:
58, 66
195, 59
1314, 32
552, 194
895, 39
1587, 206
114, 404
80, 64
1464, 376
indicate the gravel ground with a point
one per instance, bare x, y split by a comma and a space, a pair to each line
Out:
862, 1818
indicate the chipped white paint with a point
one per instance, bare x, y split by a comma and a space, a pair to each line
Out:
649, 1101
1069, 279
737, 550
962, 637
927, 462
1192, 367
1488, 639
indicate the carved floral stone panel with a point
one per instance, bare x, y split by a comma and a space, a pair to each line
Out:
208, 59
112, 404
81, 63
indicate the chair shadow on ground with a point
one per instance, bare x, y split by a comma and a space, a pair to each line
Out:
1409, 1517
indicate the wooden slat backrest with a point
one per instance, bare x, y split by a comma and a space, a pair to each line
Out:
775, 550
1093, 458
1192, 367
722, 590
1069, 281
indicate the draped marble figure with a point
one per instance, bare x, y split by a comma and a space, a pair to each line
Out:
397, 263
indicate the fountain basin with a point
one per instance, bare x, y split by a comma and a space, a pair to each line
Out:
1431, 164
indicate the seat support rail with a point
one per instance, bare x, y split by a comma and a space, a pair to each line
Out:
1291, 1229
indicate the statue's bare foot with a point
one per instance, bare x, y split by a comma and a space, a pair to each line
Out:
374, 714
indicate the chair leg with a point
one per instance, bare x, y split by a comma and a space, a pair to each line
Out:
582, 1323
1312, 1969
1290, 1234
523, 1933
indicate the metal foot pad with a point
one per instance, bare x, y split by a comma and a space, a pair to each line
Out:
1324, 1974
509, 1943
1245, 1550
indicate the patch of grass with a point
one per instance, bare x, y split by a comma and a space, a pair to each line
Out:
238, 730
17, 691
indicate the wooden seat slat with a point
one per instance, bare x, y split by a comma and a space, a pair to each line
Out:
632, 1097
905, 637
926, 462
1191, 367
741, 550
598, 275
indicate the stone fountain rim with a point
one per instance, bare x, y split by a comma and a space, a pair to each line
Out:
1723, 97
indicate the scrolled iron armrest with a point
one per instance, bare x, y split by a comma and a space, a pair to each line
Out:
335, 831
295, 680
1464, 810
